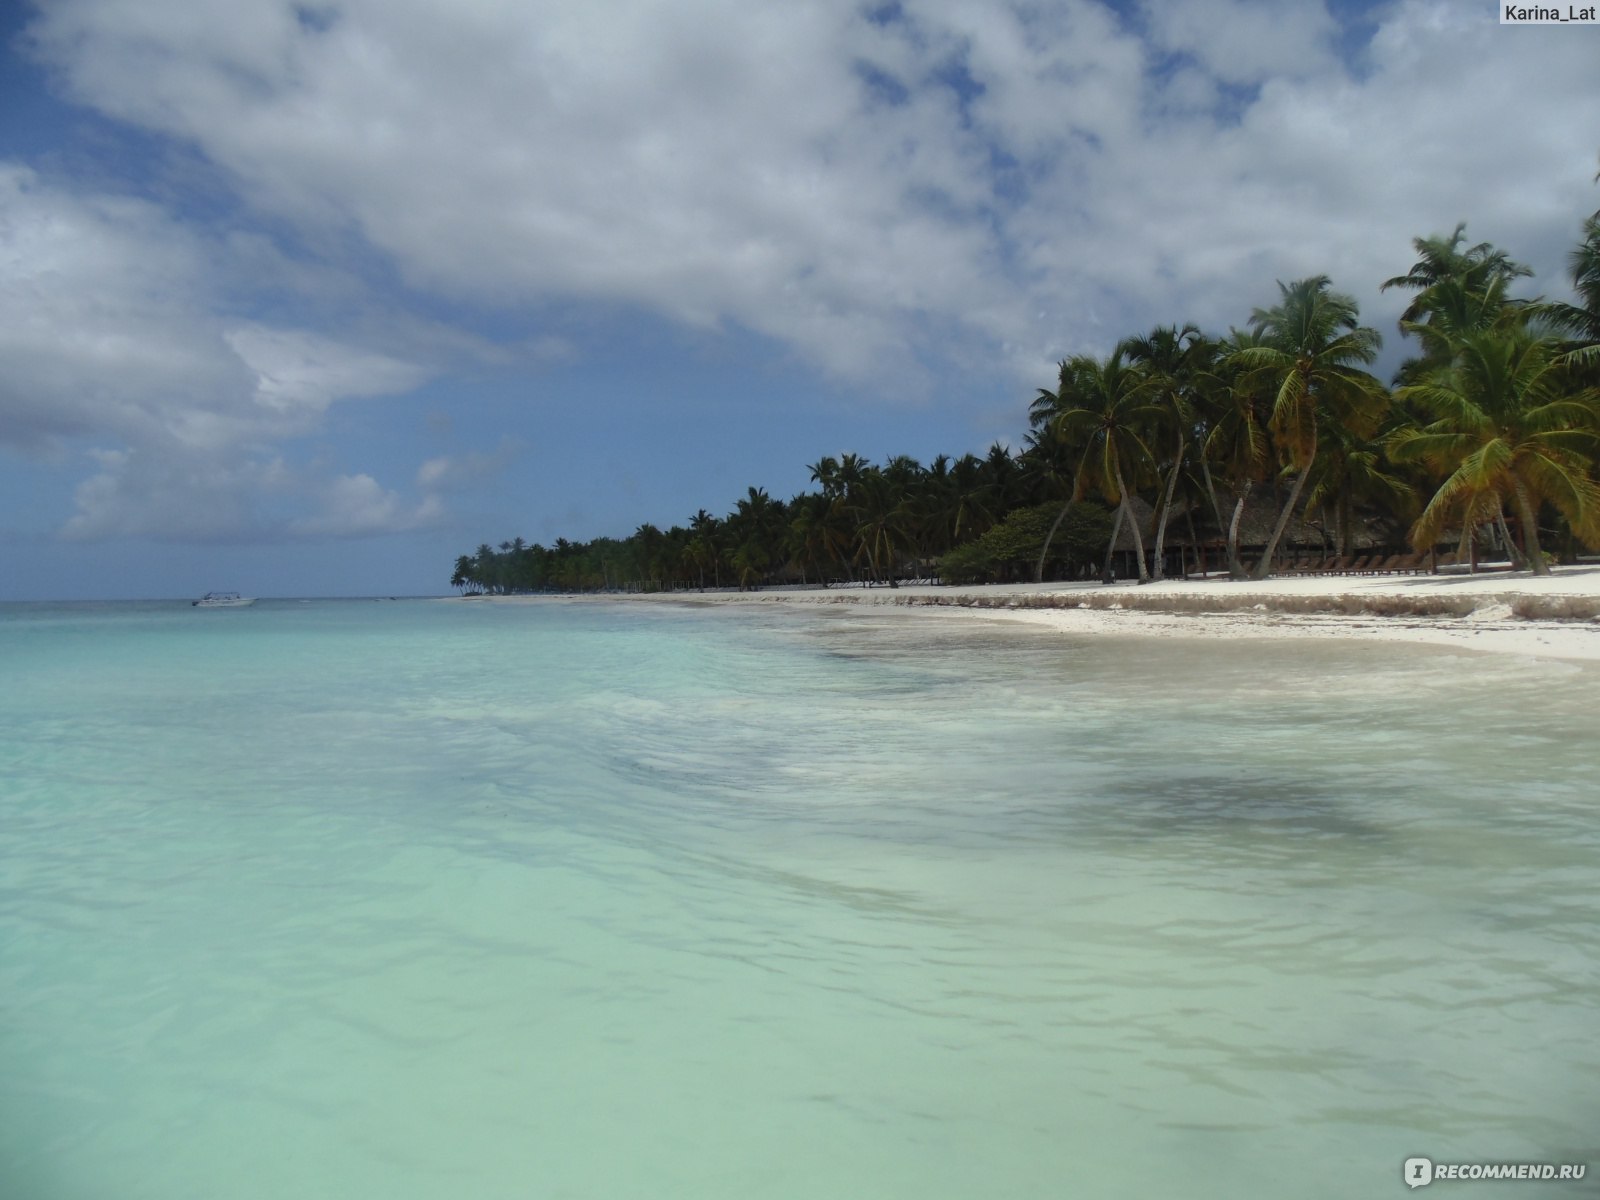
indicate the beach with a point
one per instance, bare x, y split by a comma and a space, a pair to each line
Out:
1557, 616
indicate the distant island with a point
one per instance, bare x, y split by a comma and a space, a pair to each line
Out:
1270, 449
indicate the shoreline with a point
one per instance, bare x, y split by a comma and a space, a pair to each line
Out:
1553, 617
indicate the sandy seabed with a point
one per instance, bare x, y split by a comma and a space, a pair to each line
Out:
1553, 617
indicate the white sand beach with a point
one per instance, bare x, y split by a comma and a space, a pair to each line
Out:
1517, 613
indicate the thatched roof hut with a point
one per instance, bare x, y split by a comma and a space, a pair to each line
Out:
1255, 527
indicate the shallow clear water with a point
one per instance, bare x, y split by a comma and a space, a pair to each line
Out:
419, 899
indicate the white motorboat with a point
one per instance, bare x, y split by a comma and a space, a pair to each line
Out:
224, 600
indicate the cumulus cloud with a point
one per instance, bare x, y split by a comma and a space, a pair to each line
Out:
116, 325
298, 374
175, 494
951, 183
1247, 41
106, 318
453, 472
847, 180
359, 506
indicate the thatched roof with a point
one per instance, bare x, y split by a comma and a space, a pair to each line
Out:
1255, 526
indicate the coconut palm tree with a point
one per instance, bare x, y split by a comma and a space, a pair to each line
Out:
705, 547
1354, 469
882, 515
825, 474
1442, 260
757, 530
1101, 411
1051, 469
1458, 290
1170, 361
1509, 426
1582, 320
1233, 408
1312, 349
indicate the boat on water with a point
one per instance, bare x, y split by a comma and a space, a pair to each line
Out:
224, 600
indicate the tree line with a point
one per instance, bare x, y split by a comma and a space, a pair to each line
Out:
1488, 435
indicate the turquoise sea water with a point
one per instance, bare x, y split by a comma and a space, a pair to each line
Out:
421, 899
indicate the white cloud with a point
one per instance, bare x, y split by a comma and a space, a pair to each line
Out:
183, 495
979, 185
1247, 41
105, 316
115, 325
300, 374
359, 506
453, 472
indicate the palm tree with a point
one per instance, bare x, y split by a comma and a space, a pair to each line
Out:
705, 546
1003, 475
1233, 410
852, 467
1354, 469
1582, 320
1311, 344
757, 529
1585, 264
1170, 361
1100, 412
808, 533
1458, 291
1508, 426
1441, 260
882, 514
825, 473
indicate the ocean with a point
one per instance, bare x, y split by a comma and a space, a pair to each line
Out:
416, 899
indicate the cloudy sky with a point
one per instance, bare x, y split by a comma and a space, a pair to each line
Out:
308, 298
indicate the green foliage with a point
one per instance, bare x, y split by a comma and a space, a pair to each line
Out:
1498, 419
1010, 550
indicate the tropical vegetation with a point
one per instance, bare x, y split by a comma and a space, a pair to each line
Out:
1486, 439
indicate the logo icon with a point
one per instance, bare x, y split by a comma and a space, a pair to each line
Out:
1417, 1172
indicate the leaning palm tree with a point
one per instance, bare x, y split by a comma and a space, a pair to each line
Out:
1509, 426
1354, 470
1052, 469
1101, 410
1233, 411
1312, 349
1171, 362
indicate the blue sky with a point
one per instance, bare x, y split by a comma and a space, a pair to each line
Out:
308, 298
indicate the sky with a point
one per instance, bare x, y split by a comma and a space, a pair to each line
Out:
306, 299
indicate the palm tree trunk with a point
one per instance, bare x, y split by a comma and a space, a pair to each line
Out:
1530, 531
1235, 567
1038, 572
1133, 523
1514, 554
1211, 489
1467, 547
1264, 567
1111, 549
1158, 571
